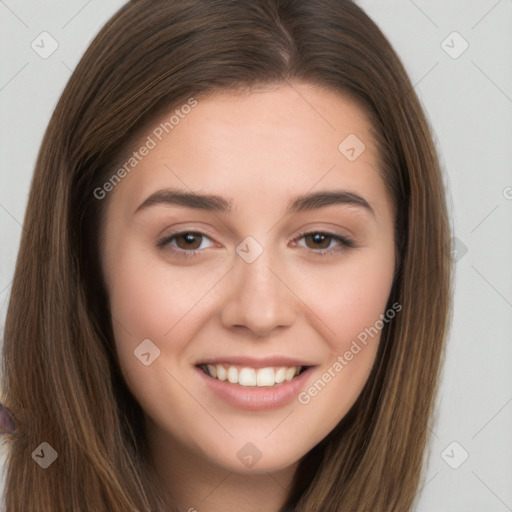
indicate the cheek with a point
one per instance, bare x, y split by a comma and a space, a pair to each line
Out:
351, 297
151, 300
349, 303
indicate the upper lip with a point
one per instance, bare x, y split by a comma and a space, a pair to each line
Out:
255, 362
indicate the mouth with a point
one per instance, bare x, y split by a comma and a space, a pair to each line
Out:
246, 376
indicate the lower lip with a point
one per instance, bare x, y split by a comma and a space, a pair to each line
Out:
256, 398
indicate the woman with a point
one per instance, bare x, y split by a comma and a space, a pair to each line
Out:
263, 370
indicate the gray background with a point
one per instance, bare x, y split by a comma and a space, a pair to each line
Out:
468, 99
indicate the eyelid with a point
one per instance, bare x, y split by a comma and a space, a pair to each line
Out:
166, 240
344, 242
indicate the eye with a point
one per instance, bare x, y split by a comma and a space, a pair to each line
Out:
186, 242
323, 242
190, 243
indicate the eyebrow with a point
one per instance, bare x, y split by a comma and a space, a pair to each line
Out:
220, 204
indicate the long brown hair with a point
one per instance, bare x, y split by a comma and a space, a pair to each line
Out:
61, 377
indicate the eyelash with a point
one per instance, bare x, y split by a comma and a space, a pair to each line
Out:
345, 243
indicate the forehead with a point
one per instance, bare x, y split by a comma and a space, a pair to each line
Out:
266, 142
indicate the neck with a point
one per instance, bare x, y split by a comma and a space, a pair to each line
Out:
195, 484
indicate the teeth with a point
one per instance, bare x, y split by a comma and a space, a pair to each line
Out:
250, 377
289, 374
265, 377
221, 372
247, 377
233, 375
212, 370
279, 376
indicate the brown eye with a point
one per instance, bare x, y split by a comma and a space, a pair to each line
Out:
188, 240
320, 240
184, 242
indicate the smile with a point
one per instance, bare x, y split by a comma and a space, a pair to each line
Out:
251, 377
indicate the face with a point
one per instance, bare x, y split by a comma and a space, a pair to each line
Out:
252, 243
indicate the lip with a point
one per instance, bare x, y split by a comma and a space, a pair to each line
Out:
256, 398
255, 362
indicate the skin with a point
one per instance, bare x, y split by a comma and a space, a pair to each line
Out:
259, 149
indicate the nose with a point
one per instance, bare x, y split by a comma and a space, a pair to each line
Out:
258, 299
